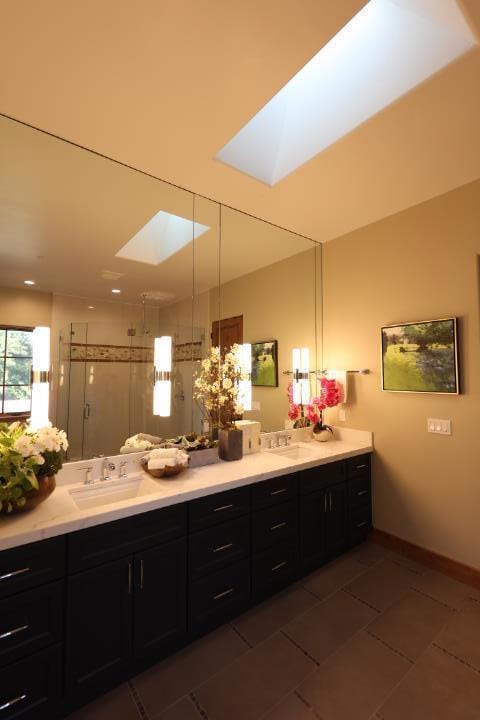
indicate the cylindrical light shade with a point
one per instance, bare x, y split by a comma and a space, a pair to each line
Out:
162, 388
245, 386
40, 377
301, 375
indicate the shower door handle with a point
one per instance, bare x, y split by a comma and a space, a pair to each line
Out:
86, 411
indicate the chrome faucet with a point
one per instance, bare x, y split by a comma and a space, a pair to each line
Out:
108, 467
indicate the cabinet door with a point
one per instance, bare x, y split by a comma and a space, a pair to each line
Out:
313, 509
98, 628
336, 519
160, 615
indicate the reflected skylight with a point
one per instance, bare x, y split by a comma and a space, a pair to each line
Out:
388, 48
160, 238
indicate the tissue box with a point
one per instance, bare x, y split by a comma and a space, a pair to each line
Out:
251, 435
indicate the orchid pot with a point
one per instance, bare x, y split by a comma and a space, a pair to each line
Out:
322, 433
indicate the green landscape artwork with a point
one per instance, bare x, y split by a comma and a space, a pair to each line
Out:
264, 364
421, 357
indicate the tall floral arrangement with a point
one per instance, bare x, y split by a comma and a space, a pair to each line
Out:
313, 412
25, 456
217, 386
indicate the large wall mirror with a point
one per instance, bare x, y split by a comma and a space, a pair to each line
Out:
81, 226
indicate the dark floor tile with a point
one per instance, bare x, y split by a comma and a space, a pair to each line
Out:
436, 688
184, 709
410, 624
369, 553
265, 619
256, 682
461, 636
118, 704
333, 576
168, 681
382, 584
442, 588
291, 708
354, 681
327, 626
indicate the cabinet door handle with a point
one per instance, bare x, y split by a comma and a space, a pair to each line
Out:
362, 524
325, 503
330, 495
360, 467
221, 548
141, 574
278, 492
223, 594
278, 526
129, 578
9, 575
13, 701
279, 565
362, 492
14, 631
222, 507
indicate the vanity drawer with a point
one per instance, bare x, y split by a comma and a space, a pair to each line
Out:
30, 621
360, 491
33, 564
360, 524
30, 689
213, 549
322, 476
274, 525
274, 491
274, 567
218, 508
102, 543
359, 465
217, 598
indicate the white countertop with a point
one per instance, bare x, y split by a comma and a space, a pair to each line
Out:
59, 514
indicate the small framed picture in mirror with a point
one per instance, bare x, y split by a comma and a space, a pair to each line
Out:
265, 363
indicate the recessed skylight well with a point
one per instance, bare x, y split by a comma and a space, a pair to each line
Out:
160, 238
387, 49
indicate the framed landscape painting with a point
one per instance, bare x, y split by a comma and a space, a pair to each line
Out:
265, 364
421, 357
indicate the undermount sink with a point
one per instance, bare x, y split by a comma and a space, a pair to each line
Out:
105, 492
294, 452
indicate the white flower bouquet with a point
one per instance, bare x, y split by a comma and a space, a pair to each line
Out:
217, 386
26, 457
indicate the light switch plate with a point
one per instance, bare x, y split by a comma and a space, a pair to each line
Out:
342, 415
439, 426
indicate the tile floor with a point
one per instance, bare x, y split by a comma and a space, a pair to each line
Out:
371, 636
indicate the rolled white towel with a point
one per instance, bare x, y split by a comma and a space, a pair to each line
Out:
163, 453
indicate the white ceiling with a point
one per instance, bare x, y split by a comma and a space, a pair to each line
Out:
163, 85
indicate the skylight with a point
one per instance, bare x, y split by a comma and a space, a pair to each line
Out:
160, 238
388, 48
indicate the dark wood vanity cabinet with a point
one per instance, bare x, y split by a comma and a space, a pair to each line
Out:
83, 612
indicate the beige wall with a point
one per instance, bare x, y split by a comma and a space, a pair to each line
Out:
419, 264
277, 303
25, 307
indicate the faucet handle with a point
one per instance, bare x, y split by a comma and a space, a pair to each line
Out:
121, 468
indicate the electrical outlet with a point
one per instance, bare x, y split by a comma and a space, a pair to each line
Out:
342, 414
439, 426
256, 406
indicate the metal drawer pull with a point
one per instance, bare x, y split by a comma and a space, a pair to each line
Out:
13, 574
141, 574
362, 492
223, 507
223, 594
278, 526
280, 565
278, 492
221, 548
360, 467
14, 701
362, 524
16, 630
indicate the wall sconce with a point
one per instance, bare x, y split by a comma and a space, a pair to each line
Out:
162, 376
40, 377
301, 375
245, 386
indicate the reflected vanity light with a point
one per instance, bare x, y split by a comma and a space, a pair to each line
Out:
162, 388
40, 377
245, 386
301, 375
